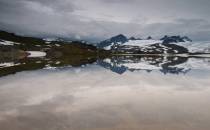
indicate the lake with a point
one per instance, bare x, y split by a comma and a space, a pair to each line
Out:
119, 92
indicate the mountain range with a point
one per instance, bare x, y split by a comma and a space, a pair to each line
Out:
165, 45
119, 53
119, 44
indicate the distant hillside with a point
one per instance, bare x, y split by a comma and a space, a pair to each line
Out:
53, 48
20, 39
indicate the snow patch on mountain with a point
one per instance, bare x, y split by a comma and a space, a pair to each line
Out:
142, 42
8, 43
8, 64
33, 54
109, 47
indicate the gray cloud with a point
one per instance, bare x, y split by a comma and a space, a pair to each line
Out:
99, 19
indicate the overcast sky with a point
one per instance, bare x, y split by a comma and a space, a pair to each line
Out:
100, 19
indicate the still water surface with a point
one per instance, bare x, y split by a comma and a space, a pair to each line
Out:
110, 94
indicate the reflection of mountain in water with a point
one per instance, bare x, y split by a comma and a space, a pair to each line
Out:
173, 65
118, 64
12, 66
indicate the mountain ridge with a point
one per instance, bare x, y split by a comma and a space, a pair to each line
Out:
165, 45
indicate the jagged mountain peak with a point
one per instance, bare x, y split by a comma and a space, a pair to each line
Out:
175, 39
167, 45
119, 38
113, 40
187, 38
149, 38
133, 38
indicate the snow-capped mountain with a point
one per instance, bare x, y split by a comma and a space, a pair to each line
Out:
196, 47
193, 47
175, 39
166, 45
107, 44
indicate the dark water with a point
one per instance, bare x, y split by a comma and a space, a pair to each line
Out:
116, 93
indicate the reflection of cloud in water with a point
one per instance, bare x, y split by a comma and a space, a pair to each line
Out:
94, 98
